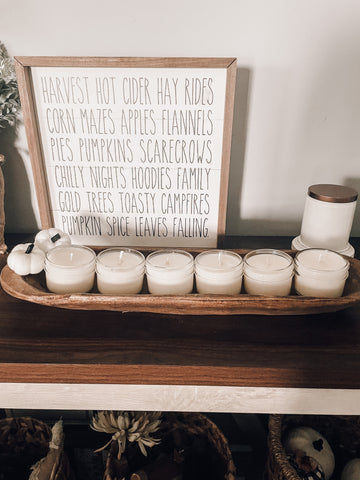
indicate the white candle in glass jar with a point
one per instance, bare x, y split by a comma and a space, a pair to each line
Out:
70, 269
120, 271
218, 272
327, 219
170, 272
320, 273
268, 272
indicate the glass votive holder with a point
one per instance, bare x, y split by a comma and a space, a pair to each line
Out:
320, 273
268, 272
170, 272
218, 272
70, 269
120, 271
327, 219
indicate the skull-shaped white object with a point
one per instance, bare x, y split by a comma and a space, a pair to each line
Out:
314, 445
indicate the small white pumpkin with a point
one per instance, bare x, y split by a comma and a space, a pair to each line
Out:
314, 445
351, 470
26, 258
50, 238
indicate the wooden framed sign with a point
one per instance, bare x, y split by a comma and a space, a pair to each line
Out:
130, 151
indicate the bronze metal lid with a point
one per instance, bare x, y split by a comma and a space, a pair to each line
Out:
332, 193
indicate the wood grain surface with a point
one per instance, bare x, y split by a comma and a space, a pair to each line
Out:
32, 288
43, 344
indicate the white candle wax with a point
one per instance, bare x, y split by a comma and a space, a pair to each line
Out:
218, 272
170, 272
320, 273
268, 272
70, 269
120, 271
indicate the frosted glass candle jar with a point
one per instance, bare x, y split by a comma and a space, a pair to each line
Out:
268, 272
328, 216
170, 272
219, 272
120, 271
70, 269
320, 273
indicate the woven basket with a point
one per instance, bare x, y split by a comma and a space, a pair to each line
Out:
342, 433
26, 450
180, 432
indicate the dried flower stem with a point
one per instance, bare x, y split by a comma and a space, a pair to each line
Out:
128, 426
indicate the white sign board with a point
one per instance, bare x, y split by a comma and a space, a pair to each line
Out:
133, 156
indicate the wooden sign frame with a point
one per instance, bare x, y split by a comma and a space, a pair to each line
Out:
26, 67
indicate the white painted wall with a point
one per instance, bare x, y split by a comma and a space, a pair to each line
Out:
297, 111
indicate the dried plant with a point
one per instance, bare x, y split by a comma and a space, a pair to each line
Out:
128, 427
9, 94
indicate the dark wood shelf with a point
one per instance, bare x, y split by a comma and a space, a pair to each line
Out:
42, 344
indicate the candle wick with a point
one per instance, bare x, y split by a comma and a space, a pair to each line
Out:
167, 260
219, 258
121, 257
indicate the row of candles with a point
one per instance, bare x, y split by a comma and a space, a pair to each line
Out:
319, 268
315, 272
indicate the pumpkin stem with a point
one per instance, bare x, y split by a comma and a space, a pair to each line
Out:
29, 248
318, 444
55, 238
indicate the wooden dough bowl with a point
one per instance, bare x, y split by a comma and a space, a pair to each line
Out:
32, 288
